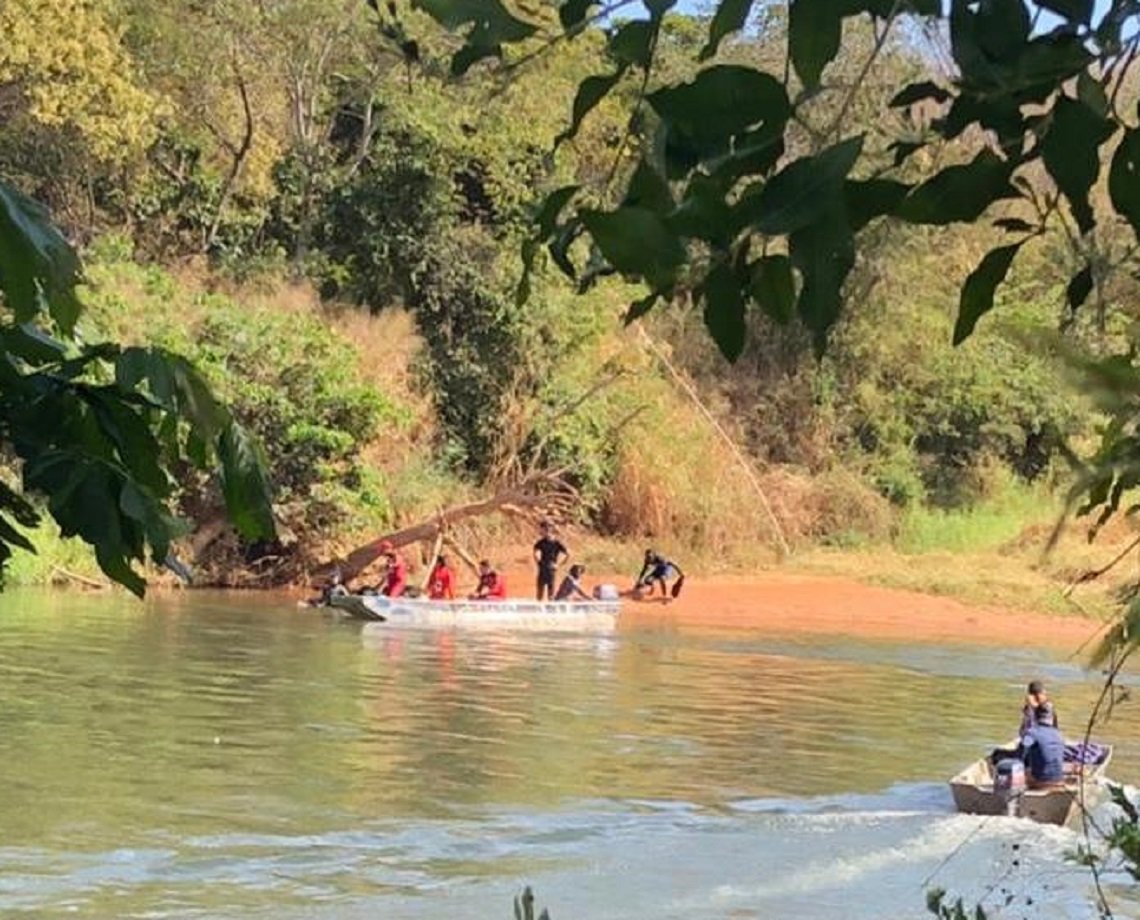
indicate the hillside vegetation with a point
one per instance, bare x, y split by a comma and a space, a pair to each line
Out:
330, 228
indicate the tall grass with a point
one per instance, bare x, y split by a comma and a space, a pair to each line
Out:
983, 527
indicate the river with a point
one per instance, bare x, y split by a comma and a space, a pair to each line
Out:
227, 755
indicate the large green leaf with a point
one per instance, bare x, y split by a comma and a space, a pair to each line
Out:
799, 193
724, 310
632, 43
730, 16
244, 483
773, 287
978, 292
723, 102
38, 268
648, 189
572, 13
824, 254
959, 193
491, 25
815, 28
1071, 151
638, 243
1079, 288
1124, 179
591, 91
868, 199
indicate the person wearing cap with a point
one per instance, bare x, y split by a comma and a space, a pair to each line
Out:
1043, 749
571, 587
1035, 698
396, 576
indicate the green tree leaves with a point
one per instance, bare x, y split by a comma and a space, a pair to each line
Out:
100, 452
38, 269
979, 289
637, 242
1071, 151
488, 23
1124, 179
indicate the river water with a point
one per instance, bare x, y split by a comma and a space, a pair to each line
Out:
229, 756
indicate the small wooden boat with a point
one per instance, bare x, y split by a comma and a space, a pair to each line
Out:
583, 616
974, 792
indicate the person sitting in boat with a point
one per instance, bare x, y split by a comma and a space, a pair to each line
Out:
1043, 749
1035, 698
441, 582
571, 587
657, 568
396, 576
334, 587
492, 586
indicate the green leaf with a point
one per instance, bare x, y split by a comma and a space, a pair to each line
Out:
632, 43
1071, 152
920, 92
1079, 288
13, 537
903, 150
572, 13
959, 193
868, 199
730, 16
797, 195
38, 267
773, 287
638, 243
815, 28
1015, 225
491, 26
722, 102
648, 189
1091, 92
824, 254
591, 92
552, 206
30, 343
639, 308
724, 310
1124, 179
703, 213
978, 292
244, 483
1072, 10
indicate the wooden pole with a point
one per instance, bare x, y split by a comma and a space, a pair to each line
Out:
749, 472
431, 560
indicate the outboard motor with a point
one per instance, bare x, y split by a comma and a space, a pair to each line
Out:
1009, 782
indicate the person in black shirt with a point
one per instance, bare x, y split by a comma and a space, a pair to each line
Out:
548, 553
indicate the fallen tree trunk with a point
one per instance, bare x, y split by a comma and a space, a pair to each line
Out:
542, 494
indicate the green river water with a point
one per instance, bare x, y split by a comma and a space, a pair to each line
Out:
228, 755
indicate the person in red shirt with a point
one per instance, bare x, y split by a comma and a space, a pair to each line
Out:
492, 585
396, 578
441, 583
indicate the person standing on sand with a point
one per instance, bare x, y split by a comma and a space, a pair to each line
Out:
548, 553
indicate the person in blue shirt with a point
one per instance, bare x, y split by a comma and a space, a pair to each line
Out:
1043, 749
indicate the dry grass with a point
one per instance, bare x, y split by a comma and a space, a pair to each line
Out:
1021, 574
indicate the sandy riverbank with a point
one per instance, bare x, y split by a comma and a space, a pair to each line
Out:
791, 605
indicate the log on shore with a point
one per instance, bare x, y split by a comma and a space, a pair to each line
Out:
541, 494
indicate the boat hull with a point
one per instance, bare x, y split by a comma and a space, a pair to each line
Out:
576, 616
974, 794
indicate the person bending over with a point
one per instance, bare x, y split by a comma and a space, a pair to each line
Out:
657, 569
